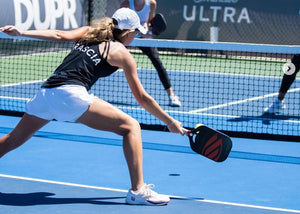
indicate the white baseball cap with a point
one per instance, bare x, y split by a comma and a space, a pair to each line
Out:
128, 19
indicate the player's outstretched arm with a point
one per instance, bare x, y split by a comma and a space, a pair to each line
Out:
120, 56
51, 35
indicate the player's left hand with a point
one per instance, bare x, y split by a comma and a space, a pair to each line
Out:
149, 32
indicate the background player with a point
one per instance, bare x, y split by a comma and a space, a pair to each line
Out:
146, 10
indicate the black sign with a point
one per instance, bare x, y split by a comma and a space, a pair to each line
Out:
255, 21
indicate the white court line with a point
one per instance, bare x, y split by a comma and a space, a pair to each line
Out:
125, 191
14, 98
199, 113
21, 83
240, 101
250, 206
169, 111
34, 54
179, 112
16, 84
219, 73
61, 183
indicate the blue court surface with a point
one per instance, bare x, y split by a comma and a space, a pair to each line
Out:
69, 168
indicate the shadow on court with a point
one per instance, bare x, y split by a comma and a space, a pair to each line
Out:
48, 198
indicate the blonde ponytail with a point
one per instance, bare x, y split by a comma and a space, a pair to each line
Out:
102, 30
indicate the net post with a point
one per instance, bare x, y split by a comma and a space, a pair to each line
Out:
214, 34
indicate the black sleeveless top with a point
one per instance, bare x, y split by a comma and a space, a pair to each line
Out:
84, 65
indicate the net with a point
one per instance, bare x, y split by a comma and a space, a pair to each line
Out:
226, 86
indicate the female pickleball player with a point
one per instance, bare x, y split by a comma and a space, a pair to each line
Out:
146, 10
98, 52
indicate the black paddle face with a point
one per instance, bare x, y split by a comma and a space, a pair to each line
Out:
210, 143
158, 24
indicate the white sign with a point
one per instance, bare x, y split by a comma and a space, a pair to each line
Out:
28, 13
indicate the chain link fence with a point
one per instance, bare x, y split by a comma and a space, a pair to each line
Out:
102, 8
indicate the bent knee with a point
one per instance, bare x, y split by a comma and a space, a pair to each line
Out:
129, 126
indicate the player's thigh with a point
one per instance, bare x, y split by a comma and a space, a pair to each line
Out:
26, 127
102, 115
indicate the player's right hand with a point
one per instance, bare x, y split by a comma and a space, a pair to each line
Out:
176, 127
10, 30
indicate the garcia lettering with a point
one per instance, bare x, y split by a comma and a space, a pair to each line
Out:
89, 52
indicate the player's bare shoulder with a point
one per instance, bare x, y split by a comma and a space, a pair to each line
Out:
117, 48
118, 54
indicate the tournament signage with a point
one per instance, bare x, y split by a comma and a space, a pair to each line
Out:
255, 21
43, 14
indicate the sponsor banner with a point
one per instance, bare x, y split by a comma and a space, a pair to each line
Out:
255, 21
43, 14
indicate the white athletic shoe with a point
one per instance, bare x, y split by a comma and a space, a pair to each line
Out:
275, 107
174, 101
146, 196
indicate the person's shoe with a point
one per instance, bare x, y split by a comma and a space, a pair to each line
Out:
275, 107
174, 101
146, 196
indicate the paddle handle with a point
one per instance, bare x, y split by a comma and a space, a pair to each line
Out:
186, 131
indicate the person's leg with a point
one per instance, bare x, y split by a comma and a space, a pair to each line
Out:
286, 83
278, 105
26, 127
288, 80
104, 116
153, 55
